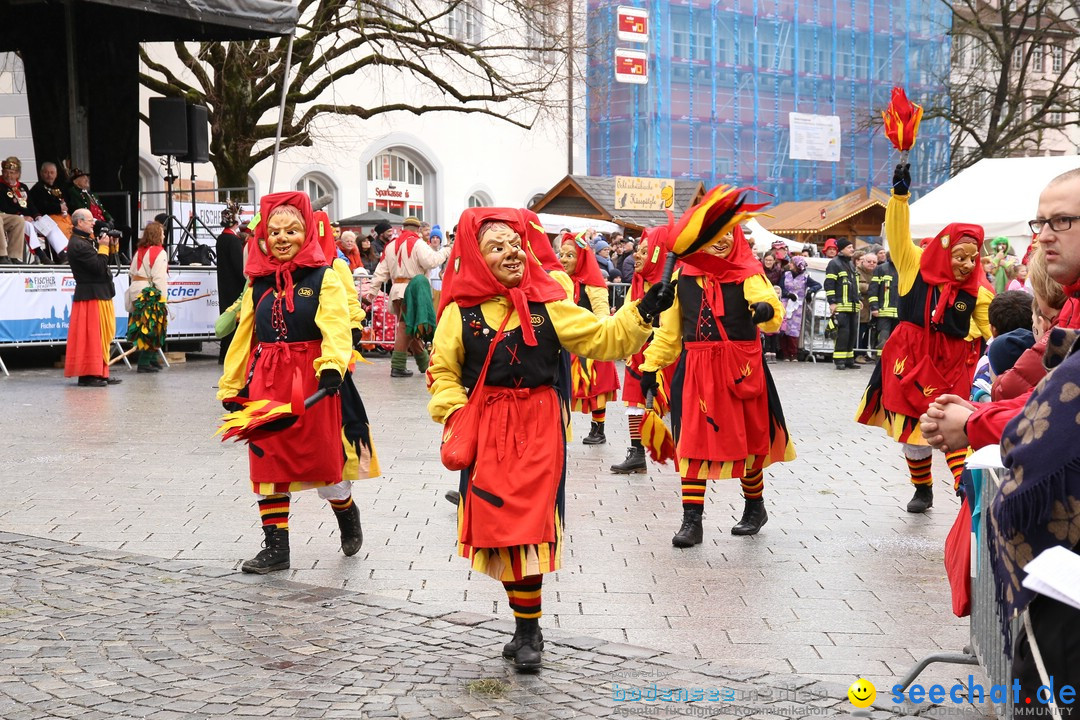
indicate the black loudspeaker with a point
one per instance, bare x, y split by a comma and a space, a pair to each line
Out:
198, 126
168, 126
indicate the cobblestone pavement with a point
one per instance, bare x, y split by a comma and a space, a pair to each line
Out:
840, 583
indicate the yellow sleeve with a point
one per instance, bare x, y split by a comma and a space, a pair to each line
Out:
232, 378
757, 288
444, 372
609, 338
356, 313
980, 317
332, 317
666, 345
563, 279
905, 254
598, 298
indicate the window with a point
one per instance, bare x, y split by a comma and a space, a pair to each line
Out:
1057, 58
465, 21
396, 185
691, 36
1037, 59
315, 187
1018, 57
480, 199
1055, 116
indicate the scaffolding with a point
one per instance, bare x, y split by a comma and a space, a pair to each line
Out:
724, 76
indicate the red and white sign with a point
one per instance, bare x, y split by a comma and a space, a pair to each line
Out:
633, 24
631, 66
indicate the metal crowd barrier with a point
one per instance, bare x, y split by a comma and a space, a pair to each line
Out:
986, 646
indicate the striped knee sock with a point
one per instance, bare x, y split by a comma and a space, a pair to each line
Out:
752, 484
274, 510
598, 416
920, 470
341, 506
693, 492
956, 465
524, 596
635, 429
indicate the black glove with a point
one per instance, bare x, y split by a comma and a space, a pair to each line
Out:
790, 296
660, 297
231, 406
648, 382
763, 312
357, 336
901, 179
330, 380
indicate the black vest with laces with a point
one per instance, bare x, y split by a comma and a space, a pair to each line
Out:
957, 319
513, 364
300, 324
698, 320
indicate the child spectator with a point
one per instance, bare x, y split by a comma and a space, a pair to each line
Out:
1008, 311
1048, 298
1018, 274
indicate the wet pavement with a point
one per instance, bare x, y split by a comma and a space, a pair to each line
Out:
143, 507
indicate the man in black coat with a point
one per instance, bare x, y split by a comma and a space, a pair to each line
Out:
842, 290
230, 267
92, 326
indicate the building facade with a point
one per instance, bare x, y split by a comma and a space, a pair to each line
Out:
724, 74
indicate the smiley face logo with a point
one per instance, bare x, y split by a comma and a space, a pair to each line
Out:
862, 693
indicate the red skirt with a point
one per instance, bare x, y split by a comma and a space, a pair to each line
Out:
724, 414
911, 379
91, 330
512, 486
310, 453
593, 384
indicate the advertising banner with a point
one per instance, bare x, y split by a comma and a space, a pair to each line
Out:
631, 66
633, 24
638, 193
35, 305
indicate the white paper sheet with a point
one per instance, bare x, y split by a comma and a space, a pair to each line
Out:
1056, 574
985, 458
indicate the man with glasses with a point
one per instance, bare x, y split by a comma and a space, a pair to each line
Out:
952, 423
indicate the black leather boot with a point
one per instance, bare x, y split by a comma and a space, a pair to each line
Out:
634, 462
526, 646
352, 535
596, 435
510, 649
273, 556
922, 500
453, 496
753, 517
691, 532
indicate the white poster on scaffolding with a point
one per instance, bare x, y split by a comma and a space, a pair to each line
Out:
814, 137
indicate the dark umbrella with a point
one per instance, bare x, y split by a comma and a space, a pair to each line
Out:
371, 217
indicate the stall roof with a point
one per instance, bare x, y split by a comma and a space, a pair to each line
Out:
813, 217
192, 19
591, 197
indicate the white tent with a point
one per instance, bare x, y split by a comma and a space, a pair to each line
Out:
1001, 194
763, 239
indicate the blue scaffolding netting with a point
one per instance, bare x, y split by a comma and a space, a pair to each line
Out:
723, 77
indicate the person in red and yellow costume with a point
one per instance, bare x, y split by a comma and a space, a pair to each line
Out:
293, 331
510, 513
725, 412
593, 383
943, 313
648, 270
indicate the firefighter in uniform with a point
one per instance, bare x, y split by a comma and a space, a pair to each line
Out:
884, 299
842, 291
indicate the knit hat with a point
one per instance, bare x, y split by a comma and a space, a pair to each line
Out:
1007, 348
436, 231
779, 245
842, 243
600, 245
382, 227
830, 243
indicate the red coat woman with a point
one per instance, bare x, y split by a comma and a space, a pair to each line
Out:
593, 383
649, 260
725, 412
